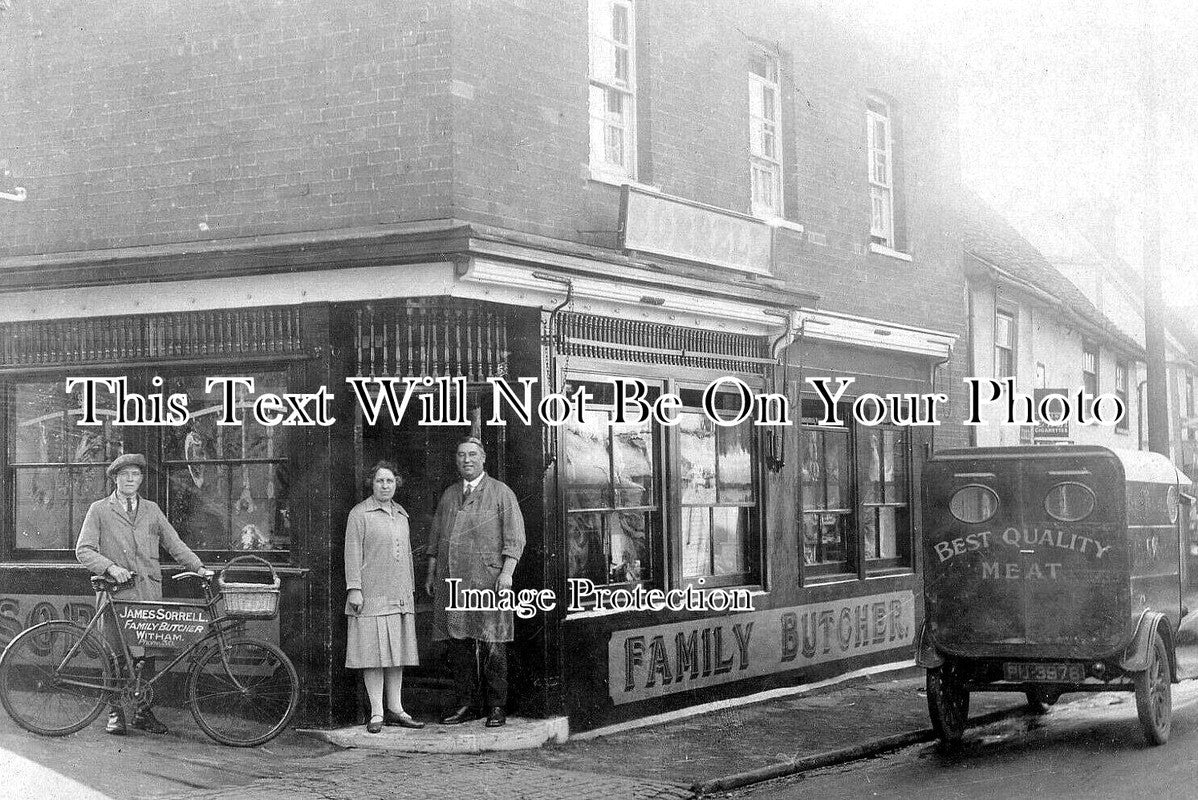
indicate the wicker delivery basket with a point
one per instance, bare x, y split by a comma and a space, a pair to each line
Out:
250, 600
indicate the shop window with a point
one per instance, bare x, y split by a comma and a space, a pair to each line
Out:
611, 493
612, 90
56, 467
884, 507
227, 486
765, 153
855, 494
717, 493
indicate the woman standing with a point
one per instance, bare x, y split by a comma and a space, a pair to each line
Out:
379, 604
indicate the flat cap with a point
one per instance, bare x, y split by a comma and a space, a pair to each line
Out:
126, 460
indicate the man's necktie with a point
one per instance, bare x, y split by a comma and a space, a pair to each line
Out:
466, 493
129, 506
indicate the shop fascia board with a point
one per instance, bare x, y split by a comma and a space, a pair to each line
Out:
874, 334
515, 284
427, 279
275, 254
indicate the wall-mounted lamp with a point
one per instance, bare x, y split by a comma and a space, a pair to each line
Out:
17, 195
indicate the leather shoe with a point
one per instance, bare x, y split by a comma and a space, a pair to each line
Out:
496, 718
463, 714
375, 725
116, 723
402, 719
144, 720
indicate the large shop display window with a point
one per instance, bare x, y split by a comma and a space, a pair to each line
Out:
620, 514
226, 484
855, 494
223, 487
56, 467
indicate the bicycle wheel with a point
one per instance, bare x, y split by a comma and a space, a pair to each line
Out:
244, 693
56, 678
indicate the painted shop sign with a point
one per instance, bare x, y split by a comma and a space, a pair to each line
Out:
644, 663
162, 624
669, 226
21, 611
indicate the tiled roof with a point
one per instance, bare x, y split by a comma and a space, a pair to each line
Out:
989, 237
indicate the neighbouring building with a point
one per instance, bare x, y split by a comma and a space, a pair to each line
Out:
1030, 323
568, 192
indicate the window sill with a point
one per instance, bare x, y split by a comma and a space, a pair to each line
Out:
779, 222
828, 579
883, 250
612, 179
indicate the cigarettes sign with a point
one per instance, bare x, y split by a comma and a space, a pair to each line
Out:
651, 662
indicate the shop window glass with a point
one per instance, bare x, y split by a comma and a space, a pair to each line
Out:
227, 485
717, 493
611, 495
56, 467
855, 492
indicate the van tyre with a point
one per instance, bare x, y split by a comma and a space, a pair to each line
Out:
948, 703
1154, 695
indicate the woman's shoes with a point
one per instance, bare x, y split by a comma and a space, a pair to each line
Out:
402, 719
375, 725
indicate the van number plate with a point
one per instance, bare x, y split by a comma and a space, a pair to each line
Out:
1045, 672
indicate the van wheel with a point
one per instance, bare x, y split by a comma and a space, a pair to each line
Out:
1039, 700
948, 703
1154, 696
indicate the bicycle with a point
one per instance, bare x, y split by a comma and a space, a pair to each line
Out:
58, 676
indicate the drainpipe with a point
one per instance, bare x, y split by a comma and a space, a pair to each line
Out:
776, 455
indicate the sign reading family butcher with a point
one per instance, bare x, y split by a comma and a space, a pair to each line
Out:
651, 662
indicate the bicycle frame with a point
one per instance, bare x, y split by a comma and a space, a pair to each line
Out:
219, 628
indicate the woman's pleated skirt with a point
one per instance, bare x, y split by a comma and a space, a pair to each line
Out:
381, 641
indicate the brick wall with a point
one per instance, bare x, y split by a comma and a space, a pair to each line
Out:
140, 122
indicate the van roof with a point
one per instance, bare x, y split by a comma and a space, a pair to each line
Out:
1140, 466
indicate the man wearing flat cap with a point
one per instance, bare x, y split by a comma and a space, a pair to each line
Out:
477, 536
121, 538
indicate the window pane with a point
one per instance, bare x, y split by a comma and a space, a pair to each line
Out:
812, 468
43, 509
198, 505
1069, 502
39, 435
632, 448
629, 546
87, 485
729, 532
880, 538
696, 542
825, 538
871, 487
696, 445
836, 464
588, 462
973, 504
895, 468
587, 552
735, 479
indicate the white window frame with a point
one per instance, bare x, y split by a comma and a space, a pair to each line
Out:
880, 147
1011, 346
765, 129
609, 57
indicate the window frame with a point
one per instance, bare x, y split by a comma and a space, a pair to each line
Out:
882, 226
858, 564
665, 542
148, 439
601, 167
1090, 378
759, 126
1122, 391
1011, 348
